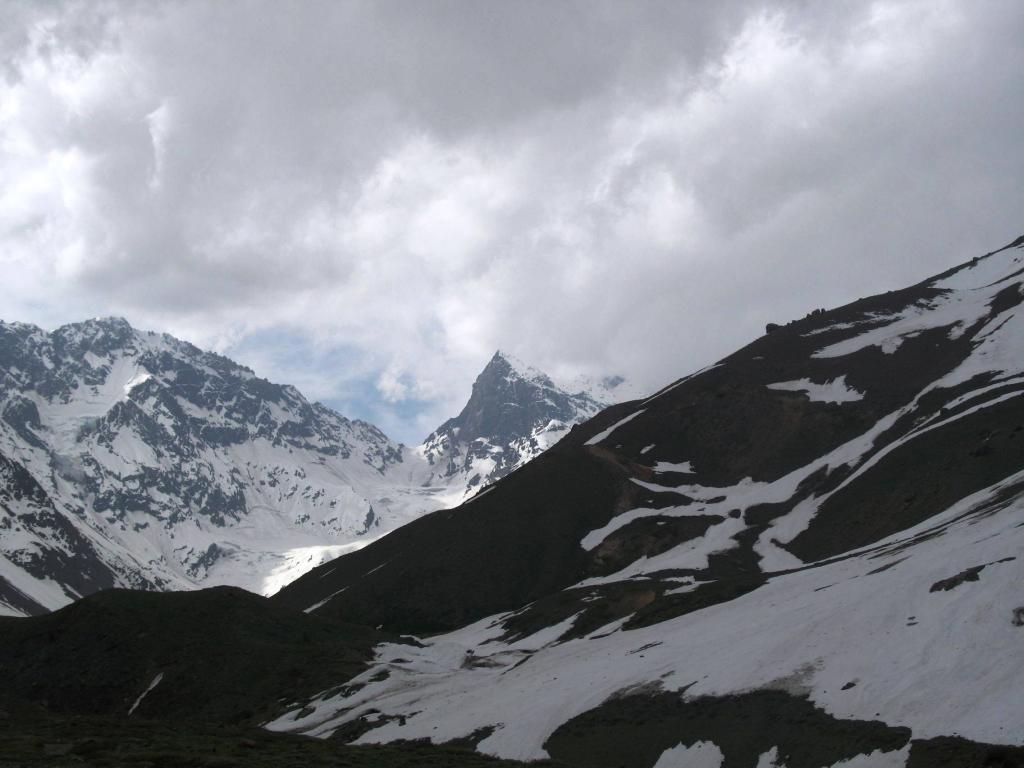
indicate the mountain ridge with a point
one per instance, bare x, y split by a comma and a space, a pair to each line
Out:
157, 465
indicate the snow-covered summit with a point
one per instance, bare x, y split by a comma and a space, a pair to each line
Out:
518, 369
160, 465
604, 390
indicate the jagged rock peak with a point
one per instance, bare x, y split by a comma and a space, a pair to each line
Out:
511, 365
604, 390
514, 413
511, 399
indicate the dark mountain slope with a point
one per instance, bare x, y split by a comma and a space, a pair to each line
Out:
899, 368
453, 566
806, 555
168, 680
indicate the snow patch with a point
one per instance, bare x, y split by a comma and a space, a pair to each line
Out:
152, 685
668, 466
878, 759
440, 691
832, 391
141, 377
605, 434
323, 602
770, 759
703, 754
984, 271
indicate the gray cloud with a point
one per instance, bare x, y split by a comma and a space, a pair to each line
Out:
593, 185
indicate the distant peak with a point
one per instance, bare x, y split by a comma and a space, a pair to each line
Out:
515, 366
100, 323
604, 390
501, 355
111, 321
100, 334
16, 325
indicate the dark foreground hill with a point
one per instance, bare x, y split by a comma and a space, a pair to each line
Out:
38, 738
181, 679
220, 654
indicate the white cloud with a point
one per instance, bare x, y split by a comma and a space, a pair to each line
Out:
633, 187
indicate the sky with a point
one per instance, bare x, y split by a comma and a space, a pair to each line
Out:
367, 199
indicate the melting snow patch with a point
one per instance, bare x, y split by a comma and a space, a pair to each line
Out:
770, 759
703, 754
957, 310
323, 602
832, 391
878, 759
152, 685
645, 449
668, 466
837, 327
607, 433
985, 271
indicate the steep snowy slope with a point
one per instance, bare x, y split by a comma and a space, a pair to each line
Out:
514, 413
804, 555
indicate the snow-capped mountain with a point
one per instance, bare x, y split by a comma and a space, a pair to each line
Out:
134, 459
129, 458
805, 555
514, 413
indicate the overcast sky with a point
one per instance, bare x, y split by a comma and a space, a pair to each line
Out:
367, 199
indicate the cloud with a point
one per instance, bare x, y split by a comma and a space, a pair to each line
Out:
594, 186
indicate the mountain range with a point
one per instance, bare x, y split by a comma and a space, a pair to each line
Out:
806, 555
133, 459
